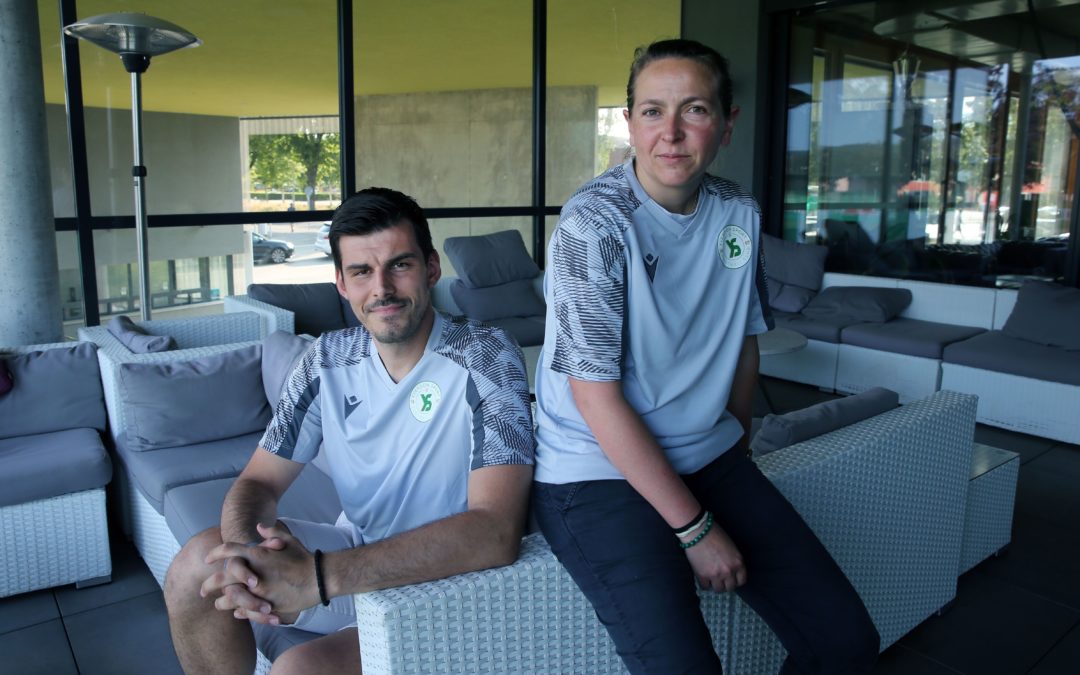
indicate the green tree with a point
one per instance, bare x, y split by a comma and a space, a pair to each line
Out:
271, 161
312, 149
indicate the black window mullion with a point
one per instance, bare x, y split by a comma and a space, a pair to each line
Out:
539, 135
346, 102
80, 174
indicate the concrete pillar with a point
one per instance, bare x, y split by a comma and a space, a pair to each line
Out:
30, 309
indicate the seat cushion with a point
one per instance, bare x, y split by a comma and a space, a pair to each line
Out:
528, 331
996, 351
316, 307
48, 465
907, 336
190, 509
155, 472
824, 328
859, 303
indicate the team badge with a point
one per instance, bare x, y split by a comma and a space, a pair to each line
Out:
424, 400
734, 246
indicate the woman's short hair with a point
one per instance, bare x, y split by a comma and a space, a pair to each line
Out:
683, 49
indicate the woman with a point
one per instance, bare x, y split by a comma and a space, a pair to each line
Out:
655, 293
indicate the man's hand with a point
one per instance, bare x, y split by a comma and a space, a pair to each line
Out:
716, 562
280, 571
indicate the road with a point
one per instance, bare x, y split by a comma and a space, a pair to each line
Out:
307, 265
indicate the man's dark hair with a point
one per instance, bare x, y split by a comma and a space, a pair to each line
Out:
375, 209
683, 49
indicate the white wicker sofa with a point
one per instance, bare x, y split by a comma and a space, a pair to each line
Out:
53, 527
886, 495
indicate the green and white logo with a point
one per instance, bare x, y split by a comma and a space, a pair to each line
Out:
424, 400
734, 247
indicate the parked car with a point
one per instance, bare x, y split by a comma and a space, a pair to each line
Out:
322, 241
270, 250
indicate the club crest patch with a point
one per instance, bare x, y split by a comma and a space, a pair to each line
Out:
734, 246
424, 400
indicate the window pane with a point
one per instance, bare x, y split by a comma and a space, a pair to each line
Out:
590, 47
444, 100
257, 60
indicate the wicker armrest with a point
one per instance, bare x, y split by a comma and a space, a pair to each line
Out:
200, 331
271, 317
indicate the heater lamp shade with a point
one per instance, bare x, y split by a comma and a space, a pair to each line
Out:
132, 33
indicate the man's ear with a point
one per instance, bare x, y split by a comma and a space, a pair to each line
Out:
434, 269
339, 280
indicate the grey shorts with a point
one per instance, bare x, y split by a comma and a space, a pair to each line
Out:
340, 613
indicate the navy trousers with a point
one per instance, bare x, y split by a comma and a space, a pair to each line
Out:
628, 563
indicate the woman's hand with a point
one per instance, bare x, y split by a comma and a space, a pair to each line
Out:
716, 562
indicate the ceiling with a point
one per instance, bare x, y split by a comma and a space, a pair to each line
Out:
261, 58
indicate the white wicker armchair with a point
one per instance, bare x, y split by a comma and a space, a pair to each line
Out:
886, 496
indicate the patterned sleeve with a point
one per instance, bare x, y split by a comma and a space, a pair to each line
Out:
588, 280
760, 318
295, 430
499, 395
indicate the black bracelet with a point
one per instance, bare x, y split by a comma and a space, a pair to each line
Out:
319, 580
694, 521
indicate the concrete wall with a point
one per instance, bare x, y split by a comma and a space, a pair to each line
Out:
193, 162
735, 34
473, 148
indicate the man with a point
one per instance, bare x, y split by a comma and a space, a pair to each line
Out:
426, 427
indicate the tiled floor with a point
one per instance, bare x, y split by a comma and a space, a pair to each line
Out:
1019, 613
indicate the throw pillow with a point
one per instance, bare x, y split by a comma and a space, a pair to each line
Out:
1046, 313
780, 431
861, 303
316, 308
789, 298
490, 259
794, 264
515, 298
209, 398
57, 389
280, 353
136, 338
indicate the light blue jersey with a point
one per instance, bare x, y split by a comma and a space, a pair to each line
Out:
659, 301
400, 453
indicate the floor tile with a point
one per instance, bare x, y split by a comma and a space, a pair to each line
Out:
130, 578
1029, 447
1061, 459
37, 650
1064, 658
131, 636
994, 628
1050, 495
1041, 558
27, 609
899, 660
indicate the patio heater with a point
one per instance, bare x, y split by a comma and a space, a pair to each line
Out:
136, 38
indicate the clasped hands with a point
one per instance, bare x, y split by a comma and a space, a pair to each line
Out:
268, 583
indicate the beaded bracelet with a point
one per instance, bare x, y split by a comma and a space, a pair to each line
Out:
701, 535
319, 580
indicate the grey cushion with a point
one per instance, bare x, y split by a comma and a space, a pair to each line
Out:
135, 338
491, 259
1046, 313
860, 303
316, 307
514, 298
794, 272
54, 390
994, 350
907, 336
280, 352
155, 473
780, 431
527, 331
168, 405
190, 509
824, 328
347, 313
48, 465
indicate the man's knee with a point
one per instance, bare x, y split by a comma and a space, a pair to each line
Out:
335, 653
189, 570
